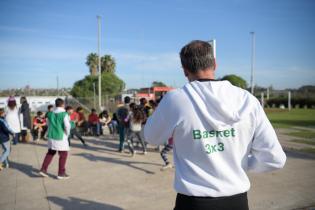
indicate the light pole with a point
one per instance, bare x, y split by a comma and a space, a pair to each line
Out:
94, 94
213, 43
253, 64
99, 63
57, 86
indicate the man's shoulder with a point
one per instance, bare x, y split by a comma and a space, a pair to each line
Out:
174, 94
123, 108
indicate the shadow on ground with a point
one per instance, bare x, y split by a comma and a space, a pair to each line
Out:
80, 204
27, 170
132, 164
24, 168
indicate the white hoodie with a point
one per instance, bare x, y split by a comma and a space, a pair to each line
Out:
220, 131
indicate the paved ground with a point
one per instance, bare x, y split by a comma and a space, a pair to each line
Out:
104, 179
287, 141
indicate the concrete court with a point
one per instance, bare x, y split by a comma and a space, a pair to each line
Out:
104, 179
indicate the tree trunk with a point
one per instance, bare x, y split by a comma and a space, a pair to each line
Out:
93, 71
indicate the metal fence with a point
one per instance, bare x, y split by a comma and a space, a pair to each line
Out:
107, 103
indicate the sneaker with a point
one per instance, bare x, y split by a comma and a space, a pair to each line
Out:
43, 174
145, 152
6, 165
63, 176
133, 153
167, 166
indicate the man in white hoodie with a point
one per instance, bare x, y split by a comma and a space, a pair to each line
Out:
220, 131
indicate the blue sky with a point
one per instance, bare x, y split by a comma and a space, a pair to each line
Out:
41, 39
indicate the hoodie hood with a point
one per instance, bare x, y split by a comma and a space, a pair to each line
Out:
219, 102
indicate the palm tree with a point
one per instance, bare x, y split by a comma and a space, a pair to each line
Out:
92, 63
108, 64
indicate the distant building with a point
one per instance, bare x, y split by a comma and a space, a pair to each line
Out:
152, 93
37, 103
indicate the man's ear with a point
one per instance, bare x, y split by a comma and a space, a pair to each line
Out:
185, 72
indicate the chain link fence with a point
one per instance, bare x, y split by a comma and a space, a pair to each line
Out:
108, 103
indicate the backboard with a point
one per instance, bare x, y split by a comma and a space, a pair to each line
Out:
214, 47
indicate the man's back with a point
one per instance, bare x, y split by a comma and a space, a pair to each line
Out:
122, 113
215, 126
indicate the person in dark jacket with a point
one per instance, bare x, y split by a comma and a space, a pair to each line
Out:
122, 114
5, 131
26, 118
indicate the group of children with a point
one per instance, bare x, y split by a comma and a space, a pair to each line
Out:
131, 120
128, 121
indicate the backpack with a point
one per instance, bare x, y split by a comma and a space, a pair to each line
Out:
122, 114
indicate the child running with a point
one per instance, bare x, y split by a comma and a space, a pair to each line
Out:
5, 131
136, 118
168, 147
73, 119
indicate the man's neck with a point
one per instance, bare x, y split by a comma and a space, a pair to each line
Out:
207, 74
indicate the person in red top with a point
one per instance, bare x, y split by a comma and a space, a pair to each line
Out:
39, 126
82, 124
94, 122
74, 116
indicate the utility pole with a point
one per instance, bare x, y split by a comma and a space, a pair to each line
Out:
253, 63
289, 100
213, 43
99, 63
94, 94
57, 85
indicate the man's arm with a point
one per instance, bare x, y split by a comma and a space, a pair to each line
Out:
266, 151
6, 128
161, 124
108, 120
67, 124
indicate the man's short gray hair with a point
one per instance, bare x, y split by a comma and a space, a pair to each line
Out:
197, 56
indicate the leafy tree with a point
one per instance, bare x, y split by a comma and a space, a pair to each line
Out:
108, 64
235, 80
111, 85
158, 84
307, 88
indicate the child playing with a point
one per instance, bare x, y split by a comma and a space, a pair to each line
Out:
168, 147
58, 131
73, 119
136, 117
5, 131
50, 108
